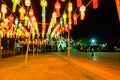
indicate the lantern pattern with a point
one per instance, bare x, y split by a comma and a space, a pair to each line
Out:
57, 8
15, 3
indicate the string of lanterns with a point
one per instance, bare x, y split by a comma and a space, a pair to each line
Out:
13, 24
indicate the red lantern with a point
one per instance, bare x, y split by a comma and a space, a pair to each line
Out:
75, 18
79, 3
95, 4
57, 8
11, 19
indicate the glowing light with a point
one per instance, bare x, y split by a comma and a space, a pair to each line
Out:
3, 10
15, 3
27, 2
75, 18
64, 17
82, 10
22, 12
95, 4
57, 8
79, 3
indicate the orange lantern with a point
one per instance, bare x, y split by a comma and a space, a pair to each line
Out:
22, 12
95, 4
31, 12
79, 3
11, 19
75, 18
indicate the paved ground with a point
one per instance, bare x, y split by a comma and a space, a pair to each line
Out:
55, 67
41, 67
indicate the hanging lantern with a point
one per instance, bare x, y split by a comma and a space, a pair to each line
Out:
75, 18
95, 4
61, 21
44, 4
27, 3
1, 33
69, 15
11, 19
22, 12
54, 17
3, 10
15, 3
79, 3
118, 8
69, 7
31, 12
26, 20
64, 17
82, 10
57, 8
16, 22
62, 0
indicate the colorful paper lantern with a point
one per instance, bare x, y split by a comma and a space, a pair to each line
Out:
44, 4
57, 8
75, 18
64, 17
11, 19
22, 12
15, 3
95, 4
82, 10
3, 10
79, 3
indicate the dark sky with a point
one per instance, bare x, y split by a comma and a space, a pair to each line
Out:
101, 23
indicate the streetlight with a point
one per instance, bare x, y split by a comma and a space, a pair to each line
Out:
93, 41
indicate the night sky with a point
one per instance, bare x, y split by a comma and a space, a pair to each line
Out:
101, 23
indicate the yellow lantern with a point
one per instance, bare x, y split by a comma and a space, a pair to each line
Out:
15, 3
22, 12
69, 6
26, 20
82, 10
3, 10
